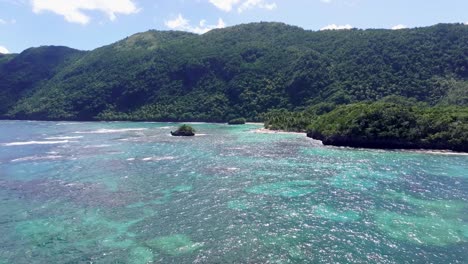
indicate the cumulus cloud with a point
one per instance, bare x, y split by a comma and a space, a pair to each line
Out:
242, 5
3, 50
180, 23
326, 1
72, 10
399, 26
337, 27
225, 5
249, 4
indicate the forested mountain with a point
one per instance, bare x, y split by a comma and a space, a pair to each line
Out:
242, 71
21, 74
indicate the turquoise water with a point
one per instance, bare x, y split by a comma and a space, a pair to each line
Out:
131, 193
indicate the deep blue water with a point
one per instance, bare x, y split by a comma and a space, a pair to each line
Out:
130, 193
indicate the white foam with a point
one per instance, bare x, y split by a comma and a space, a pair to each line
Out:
131, 159
438, 152
33, 158
268, 131
237, 148
110, 131
67, 123
63, 138
195, 123
36, 143
96, 146
158, 158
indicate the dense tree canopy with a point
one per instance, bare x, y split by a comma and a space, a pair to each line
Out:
393, 125
247, 70
184, 131
237, 121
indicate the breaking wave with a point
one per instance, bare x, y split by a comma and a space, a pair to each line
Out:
36, 143
110, 131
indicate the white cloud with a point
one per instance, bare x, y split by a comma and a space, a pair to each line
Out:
337, 27
3, 50
399, 26
14, 2
326, 1
180, 23
225, 5
4, 22
249, 4
242, 5
466, 23
72, 10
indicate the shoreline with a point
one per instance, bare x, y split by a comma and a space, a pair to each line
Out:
263, 130
446, 152
436, 152
125, 121
387, 144
255, 123
269, 131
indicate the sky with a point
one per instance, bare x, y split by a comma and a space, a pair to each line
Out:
89, 24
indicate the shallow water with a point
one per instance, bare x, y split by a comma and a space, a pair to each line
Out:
130, 193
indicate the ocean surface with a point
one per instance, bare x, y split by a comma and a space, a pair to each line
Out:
130, 193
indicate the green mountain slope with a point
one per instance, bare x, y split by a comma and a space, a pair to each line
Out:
21, 74
241, 71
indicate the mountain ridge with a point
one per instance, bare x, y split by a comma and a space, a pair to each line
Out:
241, 71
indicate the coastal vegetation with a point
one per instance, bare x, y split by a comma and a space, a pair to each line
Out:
391, 125
241, 71
184, 131
393, 122
326, 83
237, 121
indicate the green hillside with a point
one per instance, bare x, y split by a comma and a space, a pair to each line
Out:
393, 125
242, 71
22, 75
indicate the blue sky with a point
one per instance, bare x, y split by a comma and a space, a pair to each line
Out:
88, 24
